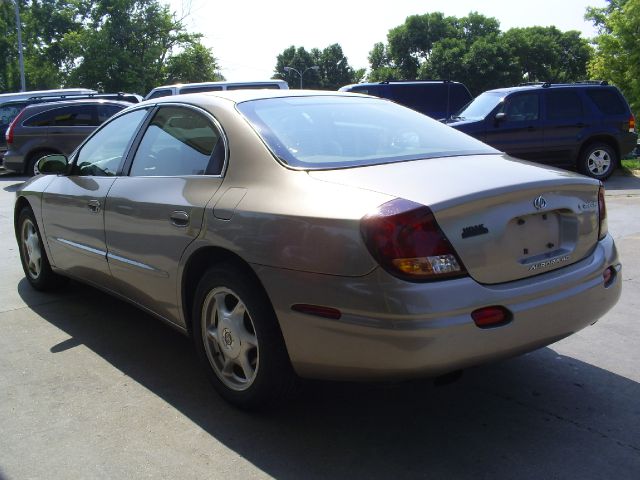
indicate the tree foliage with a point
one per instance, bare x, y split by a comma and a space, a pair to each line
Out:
333, 69
110, 45
475, 51
617, 57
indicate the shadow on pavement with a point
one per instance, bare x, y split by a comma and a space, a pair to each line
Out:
621, 181
542, 415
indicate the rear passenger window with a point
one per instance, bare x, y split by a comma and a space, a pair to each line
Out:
107, 111
160, 93
179, 141
563, 104
200, 89
607, 101
44, 119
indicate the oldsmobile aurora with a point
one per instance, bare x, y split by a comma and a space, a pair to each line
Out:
321, 235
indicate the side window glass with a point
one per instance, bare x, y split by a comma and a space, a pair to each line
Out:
179, 141
103, 152
105, 112
607, 101
522, 108
75, 116
563, 104
160, 93
43, 119
203, 88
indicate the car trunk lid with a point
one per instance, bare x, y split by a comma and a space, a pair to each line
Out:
507, 219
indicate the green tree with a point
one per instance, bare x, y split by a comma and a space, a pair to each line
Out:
195, 64
617, 56
126, 45
333, 69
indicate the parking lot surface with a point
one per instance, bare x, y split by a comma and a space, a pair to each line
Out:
91, 387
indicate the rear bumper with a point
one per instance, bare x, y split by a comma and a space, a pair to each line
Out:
392, 329
12, 162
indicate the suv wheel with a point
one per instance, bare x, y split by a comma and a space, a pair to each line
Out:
598, 160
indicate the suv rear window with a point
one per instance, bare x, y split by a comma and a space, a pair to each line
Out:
607, 101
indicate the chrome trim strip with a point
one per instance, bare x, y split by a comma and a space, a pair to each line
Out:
133, 263
82, 247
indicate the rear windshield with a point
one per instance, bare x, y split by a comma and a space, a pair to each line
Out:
334, 132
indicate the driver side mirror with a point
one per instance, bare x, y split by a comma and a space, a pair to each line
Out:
53, 164
500, 117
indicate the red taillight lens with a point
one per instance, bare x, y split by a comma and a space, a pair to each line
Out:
632, 123
9, 134
406, 240
602, 214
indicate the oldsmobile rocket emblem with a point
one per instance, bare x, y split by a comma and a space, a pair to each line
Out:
540, 203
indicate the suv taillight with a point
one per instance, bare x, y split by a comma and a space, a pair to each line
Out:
602, 214
9, 135
406, 241
632, 123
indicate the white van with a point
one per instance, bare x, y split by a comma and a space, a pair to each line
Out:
8, 97
181, 88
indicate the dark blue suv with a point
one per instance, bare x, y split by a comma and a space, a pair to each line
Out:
435, 98
586, 125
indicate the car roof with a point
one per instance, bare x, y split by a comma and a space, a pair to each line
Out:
244, 95
63, 103
547, 86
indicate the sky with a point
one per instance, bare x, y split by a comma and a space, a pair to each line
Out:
246, 36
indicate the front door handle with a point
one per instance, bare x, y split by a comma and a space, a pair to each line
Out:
179, 218
93, 206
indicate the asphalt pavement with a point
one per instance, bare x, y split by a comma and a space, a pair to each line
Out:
91, 388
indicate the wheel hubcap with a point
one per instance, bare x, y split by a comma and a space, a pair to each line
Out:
599, 162
229, 338
31, 249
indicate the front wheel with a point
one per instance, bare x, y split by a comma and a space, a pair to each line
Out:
238, 339
33, 255
598, 160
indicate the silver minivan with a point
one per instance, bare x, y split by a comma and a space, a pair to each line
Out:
182, 88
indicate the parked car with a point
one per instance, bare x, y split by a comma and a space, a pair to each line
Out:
58, 127
320, 234
586, 125
438, 99
183, 88
7, 97
10, 110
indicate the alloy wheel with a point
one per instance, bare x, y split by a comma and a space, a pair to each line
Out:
599, 162
31, 249
229, 338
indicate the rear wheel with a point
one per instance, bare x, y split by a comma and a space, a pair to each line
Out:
33, 255
598, 160
238, 339
32, 164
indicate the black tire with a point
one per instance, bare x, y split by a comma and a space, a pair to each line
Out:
251, 377
598, 160
33, 256
31, 168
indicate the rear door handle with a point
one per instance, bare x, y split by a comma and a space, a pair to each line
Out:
93, 206
179, 218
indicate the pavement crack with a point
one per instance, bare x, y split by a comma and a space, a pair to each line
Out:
564, 419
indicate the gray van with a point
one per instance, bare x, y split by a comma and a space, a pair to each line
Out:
183, 88
59, 127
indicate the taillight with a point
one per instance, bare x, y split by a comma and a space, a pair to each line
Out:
632, 124
602, 214
406, 240
9, 134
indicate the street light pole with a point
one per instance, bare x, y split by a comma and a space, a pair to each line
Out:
291, 69
23, 86
20, 57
